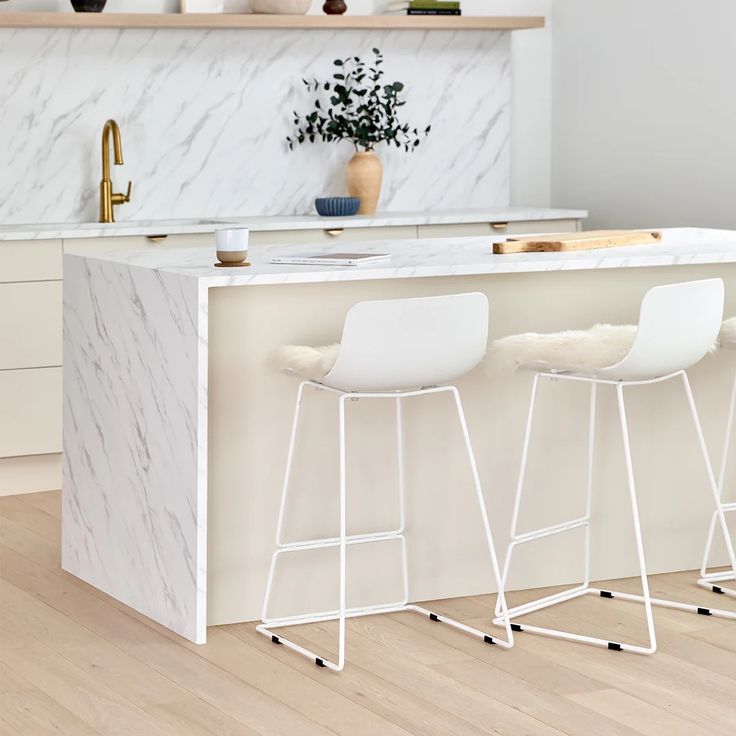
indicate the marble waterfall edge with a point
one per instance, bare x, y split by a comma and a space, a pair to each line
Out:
133, 377
204, 115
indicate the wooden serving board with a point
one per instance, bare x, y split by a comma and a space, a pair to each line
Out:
577, 241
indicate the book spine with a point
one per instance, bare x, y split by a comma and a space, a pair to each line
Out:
422, 11
423, 5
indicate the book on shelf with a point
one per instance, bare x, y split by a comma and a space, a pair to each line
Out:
438, 11
435, 4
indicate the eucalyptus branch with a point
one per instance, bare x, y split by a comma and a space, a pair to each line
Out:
357, 106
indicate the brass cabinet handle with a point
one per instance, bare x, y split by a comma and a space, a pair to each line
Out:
499, 225
334, 232
157, 238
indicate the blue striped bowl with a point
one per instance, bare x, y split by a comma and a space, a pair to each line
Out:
337, 206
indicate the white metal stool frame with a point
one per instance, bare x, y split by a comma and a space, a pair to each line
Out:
678, 323
712, 581
344, 540
584, 521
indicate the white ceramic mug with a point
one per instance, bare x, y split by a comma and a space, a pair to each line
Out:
232, 245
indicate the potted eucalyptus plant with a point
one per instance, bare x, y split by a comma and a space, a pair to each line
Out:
357, 105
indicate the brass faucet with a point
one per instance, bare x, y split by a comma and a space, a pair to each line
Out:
107, 199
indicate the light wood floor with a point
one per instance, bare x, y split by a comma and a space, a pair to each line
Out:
75, 662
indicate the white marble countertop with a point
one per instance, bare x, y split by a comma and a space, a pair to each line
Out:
286, 222
430, 257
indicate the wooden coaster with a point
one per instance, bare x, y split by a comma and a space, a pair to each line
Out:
232, 265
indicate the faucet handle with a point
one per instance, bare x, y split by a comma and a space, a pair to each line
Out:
118, 198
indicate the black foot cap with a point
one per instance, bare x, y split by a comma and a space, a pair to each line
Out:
275, 639
615, 647
320, 662
516, 627
488, 639
434, 617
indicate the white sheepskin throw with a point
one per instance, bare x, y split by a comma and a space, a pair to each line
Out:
598, 347
305, 361
727, 335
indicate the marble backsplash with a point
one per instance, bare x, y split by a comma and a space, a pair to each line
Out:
204, 116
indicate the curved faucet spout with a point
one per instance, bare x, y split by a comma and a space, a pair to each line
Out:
107, 197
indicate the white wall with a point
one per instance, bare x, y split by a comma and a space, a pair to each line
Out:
644, 111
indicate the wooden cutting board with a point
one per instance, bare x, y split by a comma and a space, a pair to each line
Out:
577, 241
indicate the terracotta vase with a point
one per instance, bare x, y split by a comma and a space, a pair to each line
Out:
365, 175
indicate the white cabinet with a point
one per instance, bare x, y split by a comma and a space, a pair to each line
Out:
30, 365
30, 260
30, 324
30, 407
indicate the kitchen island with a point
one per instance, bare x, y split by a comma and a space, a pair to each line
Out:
176, 425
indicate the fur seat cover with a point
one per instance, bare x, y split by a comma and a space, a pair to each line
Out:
727, 335
600, 346
305, 361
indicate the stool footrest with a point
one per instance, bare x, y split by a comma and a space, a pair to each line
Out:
335, 541
565, 526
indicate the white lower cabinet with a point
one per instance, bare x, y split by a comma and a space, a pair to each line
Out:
30, 407
30, 324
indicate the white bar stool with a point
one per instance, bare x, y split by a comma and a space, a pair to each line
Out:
712, 581
678, 324
391, 349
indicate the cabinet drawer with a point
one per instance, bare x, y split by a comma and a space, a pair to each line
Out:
30, 260
30, 324
469, 229
110, 243
30, 412
327, 236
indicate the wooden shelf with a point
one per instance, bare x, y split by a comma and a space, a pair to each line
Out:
231, 20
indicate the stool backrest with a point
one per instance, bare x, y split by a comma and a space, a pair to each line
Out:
678, 325
408, 343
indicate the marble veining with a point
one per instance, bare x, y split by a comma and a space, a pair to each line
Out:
204, 115
436, 257
132, 440
36, 231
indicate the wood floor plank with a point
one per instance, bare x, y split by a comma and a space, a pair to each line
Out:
691, 692
48, 501
28, 543
93, 654
194, 716
14, 508
525, 663
30, 712
81, 694
554, 710
642, 717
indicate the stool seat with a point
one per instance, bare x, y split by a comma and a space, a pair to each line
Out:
727, 335
570, 351
671, 336
305, 361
